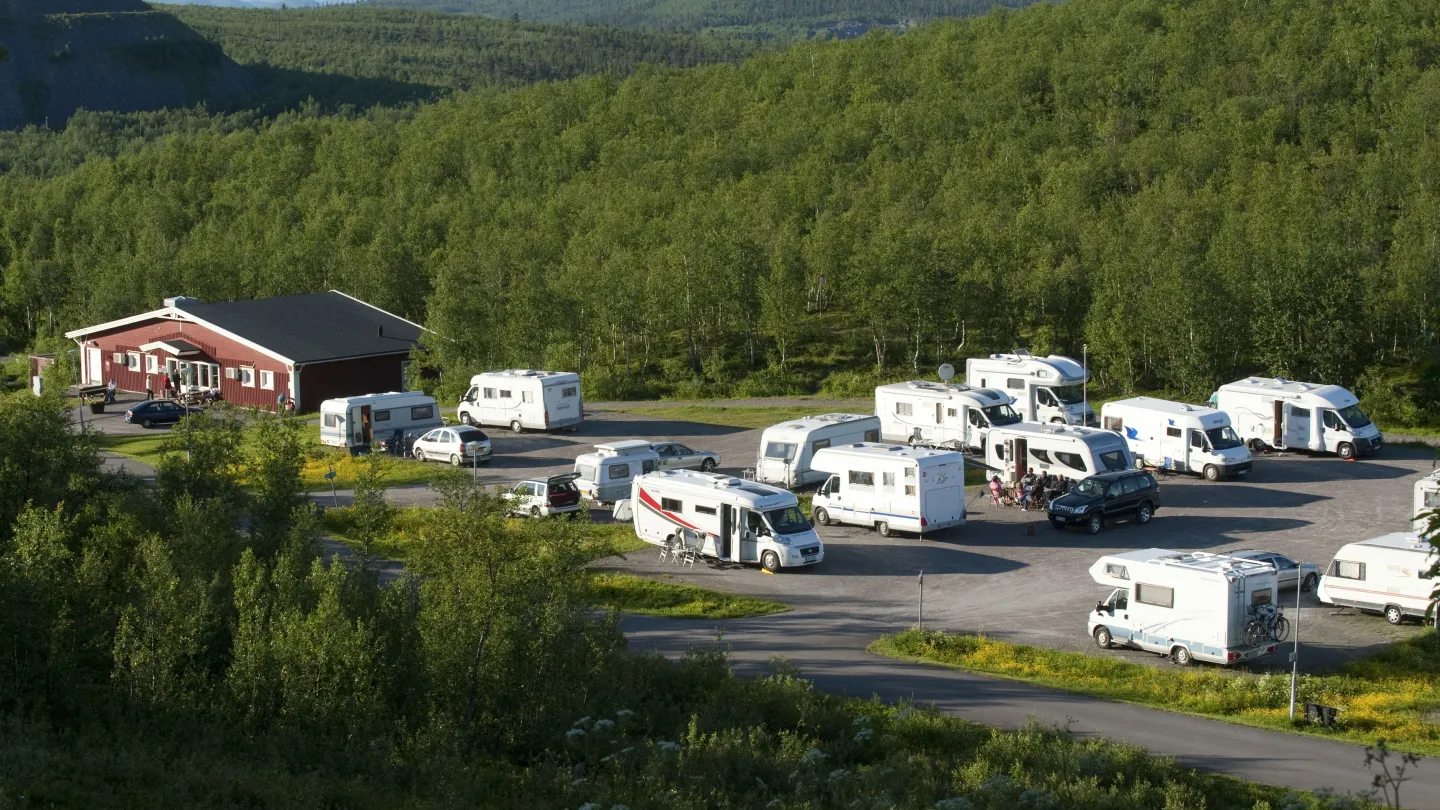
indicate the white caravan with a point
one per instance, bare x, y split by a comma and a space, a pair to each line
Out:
724, 518
931, 414
1427, 501
1046, 389
523, 399
360, 421
1176, 436
1067, 450
605, 474
1189, 606
786, 448
1290, 415
891, 488
1389, 575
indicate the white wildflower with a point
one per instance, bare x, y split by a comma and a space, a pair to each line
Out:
667, 747
838, 773
864, 735
812, 757
575, 733
604, 725
624, 713
862, 720
584, 721
577, 782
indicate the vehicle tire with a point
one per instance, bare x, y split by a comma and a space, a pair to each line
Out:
515, 427
1282, 629
454, 459
1102, 637
465, 419
770, 561
1144, 513
146, 423
1094, 523
1393, 614
822, 517
1346, 450
1057, 421
883, 528
419, 454
708, 465
1181, 657
1310, 583
1139, 462
1058, 523
1212, 473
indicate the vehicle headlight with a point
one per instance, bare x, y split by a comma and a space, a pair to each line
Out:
782, 540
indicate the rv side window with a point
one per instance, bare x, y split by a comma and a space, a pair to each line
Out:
527, 396
381, 416
672, 505
779, 450
904, 409
1432, 499
1260, 596
1197, 439
420, 412
1172, 432
332, 420
1042, 456
587, 473
909, 489
1071, 460
1332, 421
1157, 595
862, 479
1014, 383
705, 510
1114, 423
648, 465
872, 435
887, 480
1117, 571
504, 394
951, 413
1000, 451
567, 392
489, 393
618, 471
819, 444
1044, 398
472, 395
909, 473
1342, 569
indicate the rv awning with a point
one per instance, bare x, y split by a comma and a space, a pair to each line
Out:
971, 463
175, 346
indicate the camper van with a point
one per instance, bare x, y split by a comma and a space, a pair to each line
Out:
786, 448
1046, 389
1176, 436
724, 518
1067, 450
605, 474
1188, 606
931, 414
1389, 575
890, 488
523, 399
1289, 415
357, 422
1427, 500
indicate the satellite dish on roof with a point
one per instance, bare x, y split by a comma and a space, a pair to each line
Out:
946, 372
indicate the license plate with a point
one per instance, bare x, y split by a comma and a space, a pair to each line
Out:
1255, 653
1243, 472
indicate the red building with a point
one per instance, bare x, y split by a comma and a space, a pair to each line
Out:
309, 348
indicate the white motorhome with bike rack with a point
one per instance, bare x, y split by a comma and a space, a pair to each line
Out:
786, 448
1176, 436
931, 414
358, 422
1068, 450
1046, 389
1188, 606
523, 399
605, 475
1427, 501
1289, 415
1389, 575
724, 518
890, 488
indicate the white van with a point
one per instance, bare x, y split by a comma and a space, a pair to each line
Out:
890, 488
523, 399
786, 448
1176, 436
724, 518
1427, 500
930, 414
605, 474
1290, 415
1046, 389
1389, 575
1067, 450
357, 422
1189, 606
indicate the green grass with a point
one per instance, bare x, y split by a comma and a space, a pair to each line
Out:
606, 539
1393, 694
739, 416
631, 594
145, 449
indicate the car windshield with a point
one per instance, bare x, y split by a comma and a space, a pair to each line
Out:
1354, 417
1090, 486
1000, 415
1069, 394
780, 450
1223, 438
789, 520
471, 435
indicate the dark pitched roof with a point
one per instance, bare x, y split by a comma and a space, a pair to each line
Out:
310, 328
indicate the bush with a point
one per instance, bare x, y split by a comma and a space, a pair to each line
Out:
859, 384
774, 382
605, 384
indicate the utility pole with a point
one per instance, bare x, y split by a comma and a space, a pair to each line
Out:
1085, 385
1295, 653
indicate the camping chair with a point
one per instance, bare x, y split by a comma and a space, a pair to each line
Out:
667, 551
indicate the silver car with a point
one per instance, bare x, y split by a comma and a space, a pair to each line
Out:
459, 445
1289, 571
677, 456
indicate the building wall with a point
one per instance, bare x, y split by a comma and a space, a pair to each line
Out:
348, 378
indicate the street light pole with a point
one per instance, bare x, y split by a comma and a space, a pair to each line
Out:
1085, 364
1295, 653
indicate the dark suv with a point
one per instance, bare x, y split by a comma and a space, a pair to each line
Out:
155, 412
1104, 497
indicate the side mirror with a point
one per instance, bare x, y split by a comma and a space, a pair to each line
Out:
1099, 607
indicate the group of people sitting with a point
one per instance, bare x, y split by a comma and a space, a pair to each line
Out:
1030, 491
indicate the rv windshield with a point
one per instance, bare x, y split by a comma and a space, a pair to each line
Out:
789, 520
1069, 394
1001, 415
1223, 438
780, 450
1354, 417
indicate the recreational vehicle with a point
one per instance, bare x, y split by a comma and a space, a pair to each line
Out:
724, 518
1046, 389
931, 414
1067, 450
605, 475
1289, 415
1427, 501
523, 399
357, 422
1189, 606
890, 488
1179, 437
786, 448
1389, 575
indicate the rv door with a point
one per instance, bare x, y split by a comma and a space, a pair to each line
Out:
727, 528
1297, 428
1114, 613
1278, 418
1015, 459
751, 526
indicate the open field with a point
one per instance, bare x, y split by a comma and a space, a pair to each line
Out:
657, 597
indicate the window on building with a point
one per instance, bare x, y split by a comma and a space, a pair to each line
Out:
420, 412
489, 393
527, 396
382, 416
672, 505
619, 471
247, 376
568, 392
1344, 569
904, 409
267, 380
132, 361
705, 510
1157, 595
504, 394
152, 364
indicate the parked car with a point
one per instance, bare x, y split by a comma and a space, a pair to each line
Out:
676, 456
543, 497
1104, 497
155, 412
1289, 571
457, 445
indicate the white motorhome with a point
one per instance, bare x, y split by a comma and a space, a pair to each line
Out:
523, 399
1176, 436
357, 422
890, 488
1389, 575
1189, 606
931, 414
1068, 450
1046, 389
1290, 415
724, 518
786, 448
605, 474
1427, 501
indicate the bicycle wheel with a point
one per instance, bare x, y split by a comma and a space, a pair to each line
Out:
1254, 632
1282, 628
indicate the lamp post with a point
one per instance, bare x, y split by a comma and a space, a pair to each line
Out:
1295, 653
1085, 383
185, 378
